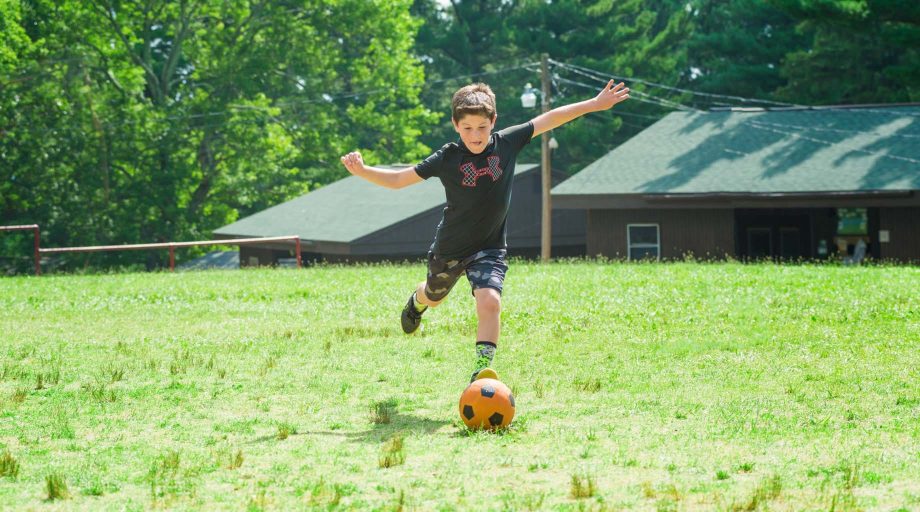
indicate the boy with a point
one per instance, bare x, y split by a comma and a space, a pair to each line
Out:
477, 172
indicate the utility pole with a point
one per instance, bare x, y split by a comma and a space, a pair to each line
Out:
546, 232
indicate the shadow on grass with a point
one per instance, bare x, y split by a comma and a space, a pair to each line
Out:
399, 422
379, 432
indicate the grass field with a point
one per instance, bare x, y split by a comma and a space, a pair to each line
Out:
642, 387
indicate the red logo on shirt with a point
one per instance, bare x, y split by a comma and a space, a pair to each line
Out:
471, 173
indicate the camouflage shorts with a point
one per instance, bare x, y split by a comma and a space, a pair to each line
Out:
485, 269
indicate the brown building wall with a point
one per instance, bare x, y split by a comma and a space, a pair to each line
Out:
903, 225
707, 233
710, 233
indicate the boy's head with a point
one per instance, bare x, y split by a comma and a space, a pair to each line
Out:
473, 115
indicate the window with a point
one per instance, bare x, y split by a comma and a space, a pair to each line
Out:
643, 242
852, 221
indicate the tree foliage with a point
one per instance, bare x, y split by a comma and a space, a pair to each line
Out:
633, 37
162, 120
808, 52
128, 121
738, 47
857, 51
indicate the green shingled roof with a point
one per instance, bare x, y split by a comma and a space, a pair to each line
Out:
752, 152
344, 211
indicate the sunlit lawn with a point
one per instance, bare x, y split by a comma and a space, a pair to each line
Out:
647, 387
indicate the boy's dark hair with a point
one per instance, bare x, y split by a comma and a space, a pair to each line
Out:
474, 99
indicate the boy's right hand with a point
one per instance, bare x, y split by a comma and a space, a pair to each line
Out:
353, 162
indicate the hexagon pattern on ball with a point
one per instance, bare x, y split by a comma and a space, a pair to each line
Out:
487, 404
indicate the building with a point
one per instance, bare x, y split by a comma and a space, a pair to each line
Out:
214, 260
355, 220
807, 183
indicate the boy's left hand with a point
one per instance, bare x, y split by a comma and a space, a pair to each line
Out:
611, 95
353, 162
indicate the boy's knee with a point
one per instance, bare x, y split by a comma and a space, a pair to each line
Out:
488, 300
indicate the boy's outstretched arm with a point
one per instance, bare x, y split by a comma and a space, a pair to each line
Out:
383, 177
607, 98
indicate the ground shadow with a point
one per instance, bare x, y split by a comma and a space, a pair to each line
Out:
378, 433
399, 422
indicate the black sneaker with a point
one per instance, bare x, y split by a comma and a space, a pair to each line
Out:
411, 318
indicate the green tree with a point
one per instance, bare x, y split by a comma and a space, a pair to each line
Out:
737, 48
858, 51
162, 120
472, 35
629, 38
14, 42
470, 39
625, 38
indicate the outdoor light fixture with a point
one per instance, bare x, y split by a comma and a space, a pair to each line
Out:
553, 144
529, 98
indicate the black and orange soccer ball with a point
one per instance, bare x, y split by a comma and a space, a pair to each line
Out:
487, 403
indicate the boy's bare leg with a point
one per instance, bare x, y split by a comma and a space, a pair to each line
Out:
488, 309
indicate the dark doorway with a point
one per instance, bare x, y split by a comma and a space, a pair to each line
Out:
790, 245
759, 243
773, 233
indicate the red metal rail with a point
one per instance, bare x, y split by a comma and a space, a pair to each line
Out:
172, 247
34, 229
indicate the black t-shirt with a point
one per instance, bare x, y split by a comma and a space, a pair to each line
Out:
478, 189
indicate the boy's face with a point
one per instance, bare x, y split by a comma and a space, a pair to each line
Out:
474, 131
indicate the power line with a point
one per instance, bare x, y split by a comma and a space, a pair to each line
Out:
642, 97
326, 98
330, 98
790, 126
652, 98
557, 79
584, 71
796, 130
604, 77
663, 101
